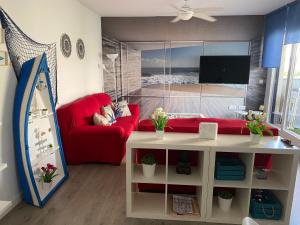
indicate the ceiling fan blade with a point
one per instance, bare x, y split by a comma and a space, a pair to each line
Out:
208, 9
176, 19
204, 16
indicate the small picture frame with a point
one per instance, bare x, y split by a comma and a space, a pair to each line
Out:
3, 58
1, 36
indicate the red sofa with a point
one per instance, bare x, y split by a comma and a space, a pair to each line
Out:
84, 142
191, 125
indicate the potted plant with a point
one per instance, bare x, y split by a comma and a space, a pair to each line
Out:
225, 200
159, 120
47, 175
257, 127
148, 163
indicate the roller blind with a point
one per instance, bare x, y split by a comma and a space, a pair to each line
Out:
273, 38
293, 23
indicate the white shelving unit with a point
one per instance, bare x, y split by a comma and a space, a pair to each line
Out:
4, 205
281, 179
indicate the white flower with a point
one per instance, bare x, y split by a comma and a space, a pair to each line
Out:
261, 107
159, 109
162, 114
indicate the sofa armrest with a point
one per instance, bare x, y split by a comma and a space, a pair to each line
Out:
134, 109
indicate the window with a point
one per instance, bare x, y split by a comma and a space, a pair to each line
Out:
280, 86
285, 111
293, 110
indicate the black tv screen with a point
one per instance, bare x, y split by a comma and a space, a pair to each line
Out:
224, 69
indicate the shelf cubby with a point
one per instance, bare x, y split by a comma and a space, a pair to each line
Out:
247, 159
282, 196
274, 181
195, 178
159, 176
278, 176
185, 190
147, 203
239, 208
196, 159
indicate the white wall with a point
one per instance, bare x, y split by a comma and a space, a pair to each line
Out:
45, 21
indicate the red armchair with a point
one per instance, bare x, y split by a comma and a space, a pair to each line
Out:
84, 142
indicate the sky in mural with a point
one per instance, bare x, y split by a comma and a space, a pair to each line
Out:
189, 56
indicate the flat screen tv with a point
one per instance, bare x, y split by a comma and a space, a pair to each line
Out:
224, 69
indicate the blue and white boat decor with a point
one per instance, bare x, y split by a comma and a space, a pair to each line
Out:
36, 132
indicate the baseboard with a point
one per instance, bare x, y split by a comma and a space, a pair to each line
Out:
14, 202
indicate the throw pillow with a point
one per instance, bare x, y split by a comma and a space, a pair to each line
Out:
109, 114
100, 120
122, 109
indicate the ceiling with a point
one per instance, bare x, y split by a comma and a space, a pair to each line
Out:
149, 8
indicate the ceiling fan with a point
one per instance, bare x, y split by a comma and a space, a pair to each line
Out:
186, 13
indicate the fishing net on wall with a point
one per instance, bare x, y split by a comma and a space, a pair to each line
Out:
22, 48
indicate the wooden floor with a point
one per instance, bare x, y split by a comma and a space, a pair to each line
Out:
211, 102
95, 195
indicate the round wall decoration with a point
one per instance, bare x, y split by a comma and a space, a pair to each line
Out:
80, 48
65, 45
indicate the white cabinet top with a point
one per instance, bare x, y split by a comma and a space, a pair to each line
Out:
191, 141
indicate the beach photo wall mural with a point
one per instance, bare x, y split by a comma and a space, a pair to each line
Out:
166, 74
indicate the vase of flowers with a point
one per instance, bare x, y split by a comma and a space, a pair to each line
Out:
48, 173
257, 127
159, 120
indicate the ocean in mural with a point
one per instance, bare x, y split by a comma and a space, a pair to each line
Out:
180, 75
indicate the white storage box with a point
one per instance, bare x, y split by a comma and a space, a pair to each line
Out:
208, 130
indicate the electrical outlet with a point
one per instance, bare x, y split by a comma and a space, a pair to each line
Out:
261, 81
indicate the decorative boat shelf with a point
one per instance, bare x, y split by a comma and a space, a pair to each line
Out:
37, 137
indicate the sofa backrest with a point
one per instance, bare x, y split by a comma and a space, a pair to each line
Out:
80, 112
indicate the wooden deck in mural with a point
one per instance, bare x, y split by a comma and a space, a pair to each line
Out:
210, 100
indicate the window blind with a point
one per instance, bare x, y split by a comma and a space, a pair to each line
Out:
275, 23
293, 23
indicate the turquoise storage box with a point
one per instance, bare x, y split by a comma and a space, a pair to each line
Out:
265, 205
228, 168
